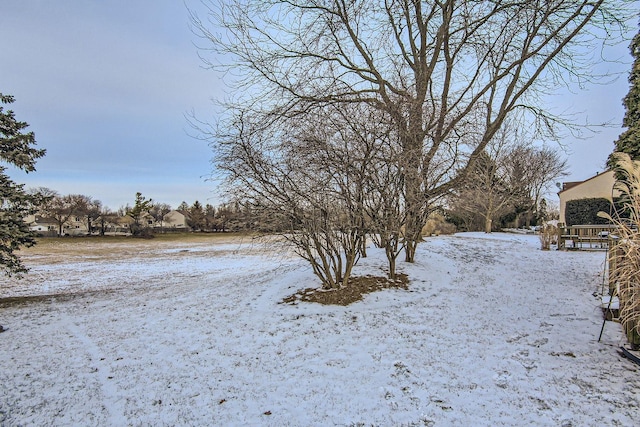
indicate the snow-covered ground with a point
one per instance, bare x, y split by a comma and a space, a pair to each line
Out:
493, 331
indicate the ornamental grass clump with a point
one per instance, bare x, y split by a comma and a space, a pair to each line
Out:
624, 256
548, 236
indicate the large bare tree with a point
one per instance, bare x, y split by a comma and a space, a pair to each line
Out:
447, 72
158, 211
61, 209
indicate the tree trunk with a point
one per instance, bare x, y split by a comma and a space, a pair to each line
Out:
414, 221
410, 250
412, 146
487, 224
392, 264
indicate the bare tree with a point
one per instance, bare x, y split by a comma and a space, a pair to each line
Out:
88, 208
306, 178
508, 178
106, 219
61, 209
492, 188
486, 193
533, 172
158, 212
384, 209
448, 73
45, 192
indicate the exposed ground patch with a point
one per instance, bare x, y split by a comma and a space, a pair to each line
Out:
345, 295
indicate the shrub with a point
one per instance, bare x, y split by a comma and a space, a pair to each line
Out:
585, 211
548, 236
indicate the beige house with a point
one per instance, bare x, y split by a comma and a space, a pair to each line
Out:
75, 226
599, 186
175, 220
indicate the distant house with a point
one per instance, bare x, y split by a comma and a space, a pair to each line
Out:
75, 226
147, 220
42, 225
113, 225
175, 220
598, 186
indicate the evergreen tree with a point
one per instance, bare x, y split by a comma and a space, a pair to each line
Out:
16, 148
209, 217
196, 218
629, 141
139, 209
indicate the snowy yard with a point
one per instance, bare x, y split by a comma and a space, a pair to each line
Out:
492, 332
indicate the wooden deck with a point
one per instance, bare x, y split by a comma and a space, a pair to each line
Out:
585, 237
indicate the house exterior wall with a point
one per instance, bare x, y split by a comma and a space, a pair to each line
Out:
598, 186
75, 226
175, 219
42, 226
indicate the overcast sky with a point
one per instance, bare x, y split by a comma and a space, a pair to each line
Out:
106, 85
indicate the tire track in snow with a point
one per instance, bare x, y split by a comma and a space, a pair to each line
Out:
112, 402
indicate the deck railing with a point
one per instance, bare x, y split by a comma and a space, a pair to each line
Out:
589, 237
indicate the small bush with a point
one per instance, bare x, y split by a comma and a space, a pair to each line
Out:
548, 236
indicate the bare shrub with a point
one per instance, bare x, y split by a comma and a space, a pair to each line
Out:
548, 236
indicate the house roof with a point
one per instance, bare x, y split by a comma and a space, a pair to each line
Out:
43, 220
569, 185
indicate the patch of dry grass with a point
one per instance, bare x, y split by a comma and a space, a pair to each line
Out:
49, 298
345, 295
71, 266
110, 246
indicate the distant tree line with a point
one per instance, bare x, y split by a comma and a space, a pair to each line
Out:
99, 219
